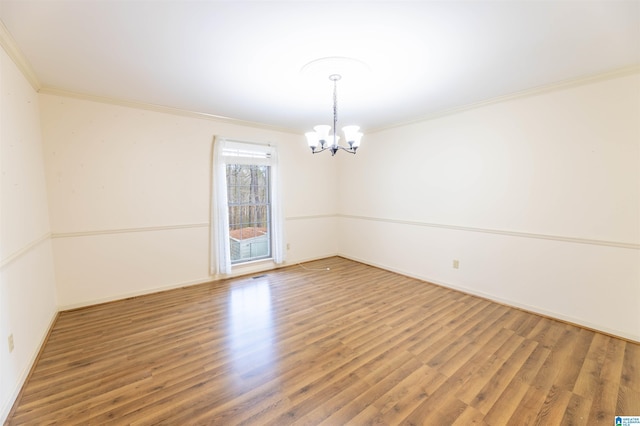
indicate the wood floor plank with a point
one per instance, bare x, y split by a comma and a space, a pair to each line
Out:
554, 406
539, 388
631, 367
577, 411
510, 399
470, 416
628, 401
604, 403
612, 366
589, 375
443, 414
404, 398
490, 368
305, 345
379, 384
486, 397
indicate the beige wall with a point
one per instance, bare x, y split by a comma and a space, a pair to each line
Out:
27, 285
538, 197
129, 195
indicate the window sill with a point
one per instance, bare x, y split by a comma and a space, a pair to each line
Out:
253, 266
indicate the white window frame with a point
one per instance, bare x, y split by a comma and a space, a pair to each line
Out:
227, 151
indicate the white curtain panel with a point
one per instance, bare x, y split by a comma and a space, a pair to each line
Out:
220, 247
277, 217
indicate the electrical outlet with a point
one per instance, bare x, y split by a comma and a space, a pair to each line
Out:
288, 246
456, 264
11, 343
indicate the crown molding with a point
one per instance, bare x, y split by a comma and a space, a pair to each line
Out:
10, 46
566, 84
162, 109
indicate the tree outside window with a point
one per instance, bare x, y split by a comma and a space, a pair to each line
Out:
249, 200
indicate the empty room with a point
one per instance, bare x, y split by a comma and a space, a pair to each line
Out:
319, 212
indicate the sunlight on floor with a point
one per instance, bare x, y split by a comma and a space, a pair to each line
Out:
251, 328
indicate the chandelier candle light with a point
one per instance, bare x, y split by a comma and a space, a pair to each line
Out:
330, 141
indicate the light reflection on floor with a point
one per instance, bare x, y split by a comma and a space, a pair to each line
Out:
250, 328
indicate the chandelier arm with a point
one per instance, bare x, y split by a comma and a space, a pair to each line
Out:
349, 150
316, 151
340, 147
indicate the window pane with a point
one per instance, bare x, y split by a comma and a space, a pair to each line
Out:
249, 220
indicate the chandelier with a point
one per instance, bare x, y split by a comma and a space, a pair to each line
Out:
327, 139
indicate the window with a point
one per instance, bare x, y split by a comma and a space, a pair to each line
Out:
248, 196
246, 219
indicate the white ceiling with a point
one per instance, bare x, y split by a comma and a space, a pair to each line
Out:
243, 59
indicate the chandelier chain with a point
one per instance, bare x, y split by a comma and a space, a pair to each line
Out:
335, 107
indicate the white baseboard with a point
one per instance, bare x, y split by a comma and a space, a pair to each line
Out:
257, 267
24, 374
122, 296
529, 308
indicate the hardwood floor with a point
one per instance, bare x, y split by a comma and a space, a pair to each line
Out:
352, 345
